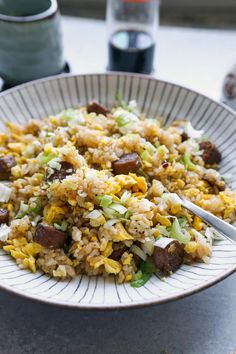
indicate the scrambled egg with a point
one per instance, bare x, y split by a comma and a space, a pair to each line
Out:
121, 233
19, 248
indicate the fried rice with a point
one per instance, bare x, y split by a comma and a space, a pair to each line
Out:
98, 213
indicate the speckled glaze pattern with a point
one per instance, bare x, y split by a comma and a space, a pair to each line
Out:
30, 47
157, 98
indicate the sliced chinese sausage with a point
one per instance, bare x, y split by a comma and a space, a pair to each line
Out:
168, 255
49, 237
120, 248
4, 216
211, 154
95, 107
127, 163
6, 163
137, 260
184, 136
65, 170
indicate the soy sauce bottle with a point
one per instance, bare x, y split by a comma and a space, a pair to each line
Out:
132, 27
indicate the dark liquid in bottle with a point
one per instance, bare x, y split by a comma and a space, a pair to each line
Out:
131, 51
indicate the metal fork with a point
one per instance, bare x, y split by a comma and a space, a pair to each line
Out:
223, 227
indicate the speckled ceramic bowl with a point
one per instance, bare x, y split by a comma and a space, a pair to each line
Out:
43, 97
30, 40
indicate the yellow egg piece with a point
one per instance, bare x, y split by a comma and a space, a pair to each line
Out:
121, 234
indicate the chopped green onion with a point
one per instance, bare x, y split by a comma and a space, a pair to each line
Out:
111, 222
37, 208
62, 227
125, 197
183, 221
48, 157
4, 232
122, 120
5, 193
177, 234
161, 148
163, 231
117, 211
105, 201
138, 275
138, 251
145, 156
55, 163
188, 163
142, 281
49, 134
69, 114
95, 214
72, 115
110, 213
147, 266
124, 117
128, 214
24, 210
119, 208
150, 148
148, 247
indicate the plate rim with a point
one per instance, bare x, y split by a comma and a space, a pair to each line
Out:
137, 304
122, 306
115, 73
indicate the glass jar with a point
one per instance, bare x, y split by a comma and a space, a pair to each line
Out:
132, 28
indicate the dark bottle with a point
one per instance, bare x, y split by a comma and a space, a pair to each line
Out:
131, 50
132, 26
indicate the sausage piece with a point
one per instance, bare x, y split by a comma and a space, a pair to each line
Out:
211, 154
97, 108
49, 237
168, 256
66, 170
127, 163
6, 163
4, 216
118, 251
137, 260
184, 136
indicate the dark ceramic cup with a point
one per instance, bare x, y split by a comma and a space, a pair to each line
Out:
30, 40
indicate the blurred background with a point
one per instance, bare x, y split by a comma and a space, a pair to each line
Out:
195, 45
199, 13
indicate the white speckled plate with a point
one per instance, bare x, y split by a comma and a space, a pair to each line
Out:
41, 98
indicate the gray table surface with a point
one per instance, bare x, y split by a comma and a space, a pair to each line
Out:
201, 324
